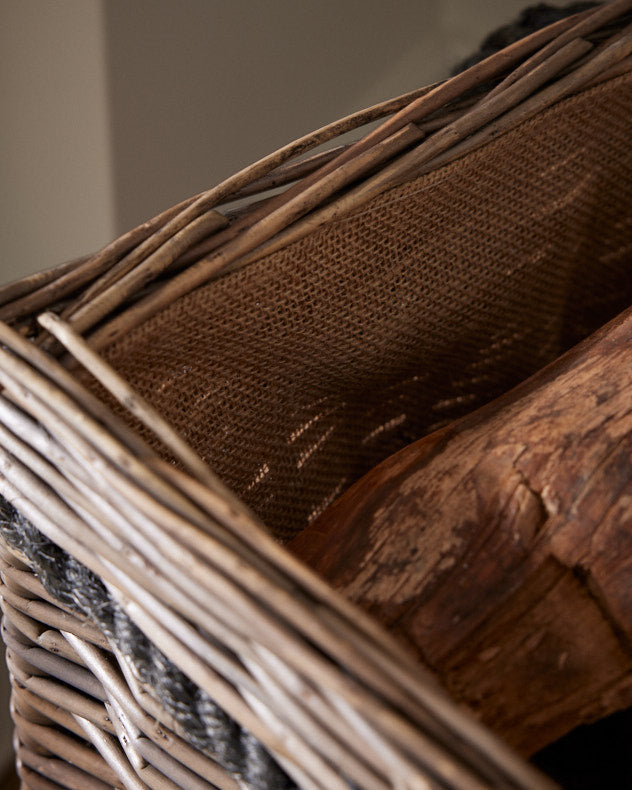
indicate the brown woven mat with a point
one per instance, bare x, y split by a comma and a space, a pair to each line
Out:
295, 375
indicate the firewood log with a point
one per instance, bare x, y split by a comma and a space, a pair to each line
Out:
500, 547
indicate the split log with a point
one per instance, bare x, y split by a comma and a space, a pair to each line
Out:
500, 548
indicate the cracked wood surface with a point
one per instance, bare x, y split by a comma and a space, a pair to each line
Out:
500, 548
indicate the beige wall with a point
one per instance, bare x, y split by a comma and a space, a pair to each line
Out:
57, 199
113, 109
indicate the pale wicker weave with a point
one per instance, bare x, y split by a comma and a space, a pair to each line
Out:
289, 344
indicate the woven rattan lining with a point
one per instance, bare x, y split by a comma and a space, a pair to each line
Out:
294, 376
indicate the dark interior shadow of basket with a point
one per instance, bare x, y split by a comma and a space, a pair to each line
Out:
592, 756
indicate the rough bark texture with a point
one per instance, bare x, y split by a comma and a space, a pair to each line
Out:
500, 548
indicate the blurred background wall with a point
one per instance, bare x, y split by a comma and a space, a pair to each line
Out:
115, 109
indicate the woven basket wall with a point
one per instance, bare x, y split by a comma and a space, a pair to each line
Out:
178, 406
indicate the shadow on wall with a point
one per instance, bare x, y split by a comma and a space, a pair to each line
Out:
200, 89
119, 110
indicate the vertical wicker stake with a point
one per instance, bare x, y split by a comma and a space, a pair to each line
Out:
500, 548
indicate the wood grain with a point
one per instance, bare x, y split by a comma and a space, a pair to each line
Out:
500, 548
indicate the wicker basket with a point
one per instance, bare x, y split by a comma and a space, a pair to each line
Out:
158, 634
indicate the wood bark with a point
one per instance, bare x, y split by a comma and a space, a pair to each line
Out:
500, 548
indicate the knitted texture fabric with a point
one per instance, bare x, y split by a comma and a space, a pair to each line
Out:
294, 376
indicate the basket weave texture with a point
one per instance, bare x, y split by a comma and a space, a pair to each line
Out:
306, 368
159, 635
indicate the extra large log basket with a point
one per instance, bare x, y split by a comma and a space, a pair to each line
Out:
341, 364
